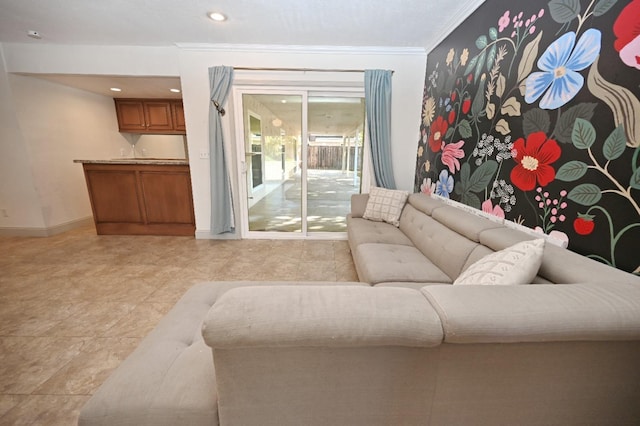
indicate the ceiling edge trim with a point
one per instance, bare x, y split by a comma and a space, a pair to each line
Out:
253, 48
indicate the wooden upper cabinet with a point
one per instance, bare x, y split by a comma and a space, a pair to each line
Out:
178, 115
130, 115
159, 116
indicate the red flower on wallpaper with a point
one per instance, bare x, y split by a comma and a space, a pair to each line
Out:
627, 33
451, 152
534, 158
438, 130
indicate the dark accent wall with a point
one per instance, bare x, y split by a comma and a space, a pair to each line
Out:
531, 112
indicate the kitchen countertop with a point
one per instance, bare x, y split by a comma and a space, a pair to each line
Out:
157, 161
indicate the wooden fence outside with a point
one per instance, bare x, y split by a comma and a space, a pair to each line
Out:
330, 157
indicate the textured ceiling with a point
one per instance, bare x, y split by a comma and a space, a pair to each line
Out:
388, 23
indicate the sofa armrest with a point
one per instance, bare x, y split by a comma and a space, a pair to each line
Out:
359, 204
327, 316
537, 313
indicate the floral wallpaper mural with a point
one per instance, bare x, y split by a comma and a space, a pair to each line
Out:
531, 113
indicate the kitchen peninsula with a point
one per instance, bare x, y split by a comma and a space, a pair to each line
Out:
140, 196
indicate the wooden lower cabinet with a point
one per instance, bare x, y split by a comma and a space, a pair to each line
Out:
140, 199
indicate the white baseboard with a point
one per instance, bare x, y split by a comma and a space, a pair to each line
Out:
46, 232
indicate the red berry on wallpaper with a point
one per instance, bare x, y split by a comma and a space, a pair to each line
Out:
466, 105
584, 224
452, 117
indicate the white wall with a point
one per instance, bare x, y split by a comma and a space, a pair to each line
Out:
18, 198
60, 124
408, 79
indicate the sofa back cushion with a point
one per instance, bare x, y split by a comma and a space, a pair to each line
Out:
447, 249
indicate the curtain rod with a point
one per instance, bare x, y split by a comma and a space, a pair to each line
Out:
296, 69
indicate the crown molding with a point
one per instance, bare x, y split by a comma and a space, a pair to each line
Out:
324, 50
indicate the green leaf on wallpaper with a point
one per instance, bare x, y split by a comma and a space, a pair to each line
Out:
615, 144
635, 180
481, 42
571, 171
471, 200
564, 127
529, 56
471, 65
465, 129
449, 133
492, 57
478, 102
493, 33
563, 11
479, 68
481, 177
586, 194
583, 135
603, 7
536, 120
465, 172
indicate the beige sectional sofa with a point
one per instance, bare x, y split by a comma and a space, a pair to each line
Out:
406, 347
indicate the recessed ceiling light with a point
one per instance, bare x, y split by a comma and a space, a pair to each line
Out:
115, 89
217, 16
174, 90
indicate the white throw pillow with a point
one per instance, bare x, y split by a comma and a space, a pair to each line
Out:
385, 205
518, 264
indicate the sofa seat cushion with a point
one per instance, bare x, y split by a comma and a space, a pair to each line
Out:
363, 231
395, 262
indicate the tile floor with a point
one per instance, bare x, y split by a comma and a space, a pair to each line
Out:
73, 306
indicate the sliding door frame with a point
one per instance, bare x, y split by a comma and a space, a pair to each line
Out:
304, 92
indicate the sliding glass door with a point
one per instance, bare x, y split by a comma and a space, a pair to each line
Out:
300, 159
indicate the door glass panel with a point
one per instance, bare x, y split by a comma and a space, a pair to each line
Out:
272, 146
334, 159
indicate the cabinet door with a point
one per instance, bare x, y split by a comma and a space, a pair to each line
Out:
167, 197
131, 116
158, 116
114, 196
178, 115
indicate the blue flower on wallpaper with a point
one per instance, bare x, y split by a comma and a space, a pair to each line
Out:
560, 64
444, 186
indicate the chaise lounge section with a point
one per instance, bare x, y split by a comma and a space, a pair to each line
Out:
404, 346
